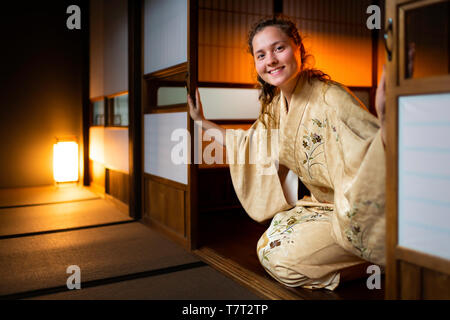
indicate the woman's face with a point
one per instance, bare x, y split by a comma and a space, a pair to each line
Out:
277, 58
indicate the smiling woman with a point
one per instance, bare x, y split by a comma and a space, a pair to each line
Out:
276, 61
279, 56
326, 137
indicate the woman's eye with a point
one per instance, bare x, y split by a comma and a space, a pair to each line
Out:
260, 56
279, 48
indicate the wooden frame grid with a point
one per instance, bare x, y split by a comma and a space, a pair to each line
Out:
400, 260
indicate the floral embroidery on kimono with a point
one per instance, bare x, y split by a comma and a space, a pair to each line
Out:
354, 232
282, 226
313, 145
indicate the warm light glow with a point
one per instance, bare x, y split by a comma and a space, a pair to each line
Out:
65, 161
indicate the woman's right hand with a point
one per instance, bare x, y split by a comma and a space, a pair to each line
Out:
196, 110
196, 113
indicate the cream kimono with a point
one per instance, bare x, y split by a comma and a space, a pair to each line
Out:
333, 144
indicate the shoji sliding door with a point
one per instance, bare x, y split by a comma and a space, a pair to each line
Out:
170, 38
418, 149
108, 132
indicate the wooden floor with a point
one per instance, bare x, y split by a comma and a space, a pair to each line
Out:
228, 242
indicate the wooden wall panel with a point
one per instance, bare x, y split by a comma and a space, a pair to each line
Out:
118, 185
410, 275
435, 285
417, 282
165, 205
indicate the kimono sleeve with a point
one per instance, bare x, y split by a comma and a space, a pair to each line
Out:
255, 182
356, 164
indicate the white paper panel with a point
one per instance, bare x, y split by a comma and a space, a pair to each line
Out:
171, 95
227, 103
96, 49
159, 130
108, 47
115, 46
424, 174
116, 149
96, 144
165, 34
109, 146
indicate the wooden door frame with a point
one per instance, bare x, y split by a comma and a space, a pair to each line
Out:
397, 85
150, 82
192, 191
85, 89
135, 71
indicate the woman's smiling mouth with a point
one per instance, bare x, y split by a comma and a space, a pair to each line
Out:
276, 71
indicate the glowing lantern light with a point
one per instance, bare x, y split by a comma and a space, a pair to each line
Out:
65, 161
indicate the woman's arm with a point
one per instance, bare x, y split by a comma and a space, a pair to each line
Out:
196, 113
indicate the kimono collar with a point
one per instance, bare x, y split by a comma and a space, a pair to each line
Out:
299, 98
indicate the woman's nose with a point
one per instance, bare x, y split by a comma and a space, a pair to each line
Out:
272, 59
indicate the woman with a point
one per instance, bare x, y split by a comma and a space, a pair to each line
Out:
326, 138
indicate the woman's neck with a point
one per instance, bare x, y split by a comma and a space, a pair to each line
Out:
288, 90
287, 98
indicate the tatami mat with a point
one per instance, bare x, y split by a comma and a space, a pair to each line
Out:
20, 220
203, 283
36, 262
44, 195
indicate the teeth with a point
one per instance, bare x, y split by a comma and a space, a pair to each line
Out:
272, 71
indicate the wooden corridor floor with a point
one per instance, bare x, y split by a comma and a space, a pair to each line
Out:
47, 229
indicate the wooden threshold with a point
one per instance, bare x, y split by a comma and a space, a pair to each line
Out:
267, 288
259, 285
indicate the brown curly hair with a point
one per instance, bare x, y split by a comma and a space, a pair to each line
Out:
268, 91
